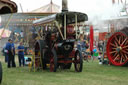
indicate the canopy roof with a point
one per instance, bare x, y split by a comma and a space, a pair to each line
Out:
81, 17
22, 18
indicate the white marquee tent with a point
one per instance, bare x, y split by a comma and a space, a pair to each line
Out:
49, 8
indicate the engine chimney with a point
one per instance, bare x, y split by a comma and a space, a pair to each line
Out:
64, 5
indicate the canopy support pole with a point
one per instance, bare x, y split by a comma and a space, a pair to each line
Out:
65, 26
76, 25
58, 27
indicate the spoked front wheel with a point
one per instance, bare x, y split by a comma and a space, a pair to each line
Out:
78, 61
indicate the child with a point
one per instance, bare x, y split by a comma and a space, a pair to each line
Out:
99, 58
93, 54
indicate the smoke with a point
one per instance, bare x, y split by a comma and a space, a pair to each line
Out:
100, 17
105, 12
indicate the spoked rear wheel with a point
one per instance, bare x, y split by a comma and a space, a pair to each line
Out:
78, 61
39, 54
53, 61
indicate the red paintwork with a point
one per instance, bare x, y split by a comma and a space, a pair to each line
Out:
53, 37
91, 38
102, 36
70, 29
65, 61
71, 55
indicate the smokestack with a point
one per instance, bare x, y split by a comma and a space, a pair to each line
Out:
64, 5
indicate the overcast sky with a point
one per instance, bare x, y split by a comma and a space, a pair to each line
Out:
100, 8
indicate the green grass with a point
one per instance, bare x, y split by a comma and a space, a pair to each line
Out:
93, 74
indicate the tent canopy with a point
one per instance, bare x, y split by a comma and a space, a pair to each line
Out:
49, 8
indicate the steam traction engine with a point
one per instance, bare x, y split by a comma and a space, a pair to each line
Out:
57, 37
117, 44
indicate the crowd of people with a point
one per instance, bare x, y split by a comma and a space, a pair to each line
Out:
9, 52
83, 46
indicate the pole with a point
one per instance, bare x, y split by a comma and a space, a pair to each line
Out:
65, 26
51, 6
58, 27
21, 7
76, 25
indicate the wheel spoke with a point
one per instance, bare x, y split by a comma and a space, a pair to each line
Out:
122, 55
124, 52
123, 41
115, 57
116, 43
126, 56
114, 48
125, 47
121, 60
116, 39
78, 66
113, 52
112, 44
119, 40
126, 42
78, 58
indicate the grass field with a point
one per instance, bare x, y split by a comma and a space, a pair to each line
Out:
93, 74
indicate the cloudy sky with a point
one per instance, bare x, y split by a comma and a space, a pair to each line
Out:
100, 8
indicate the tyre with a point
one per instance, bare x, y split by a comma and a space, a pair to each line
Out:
78, 61
0, 72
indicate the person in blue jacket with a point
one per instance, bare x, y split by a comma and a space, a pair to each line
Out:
21, 54
10, 53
